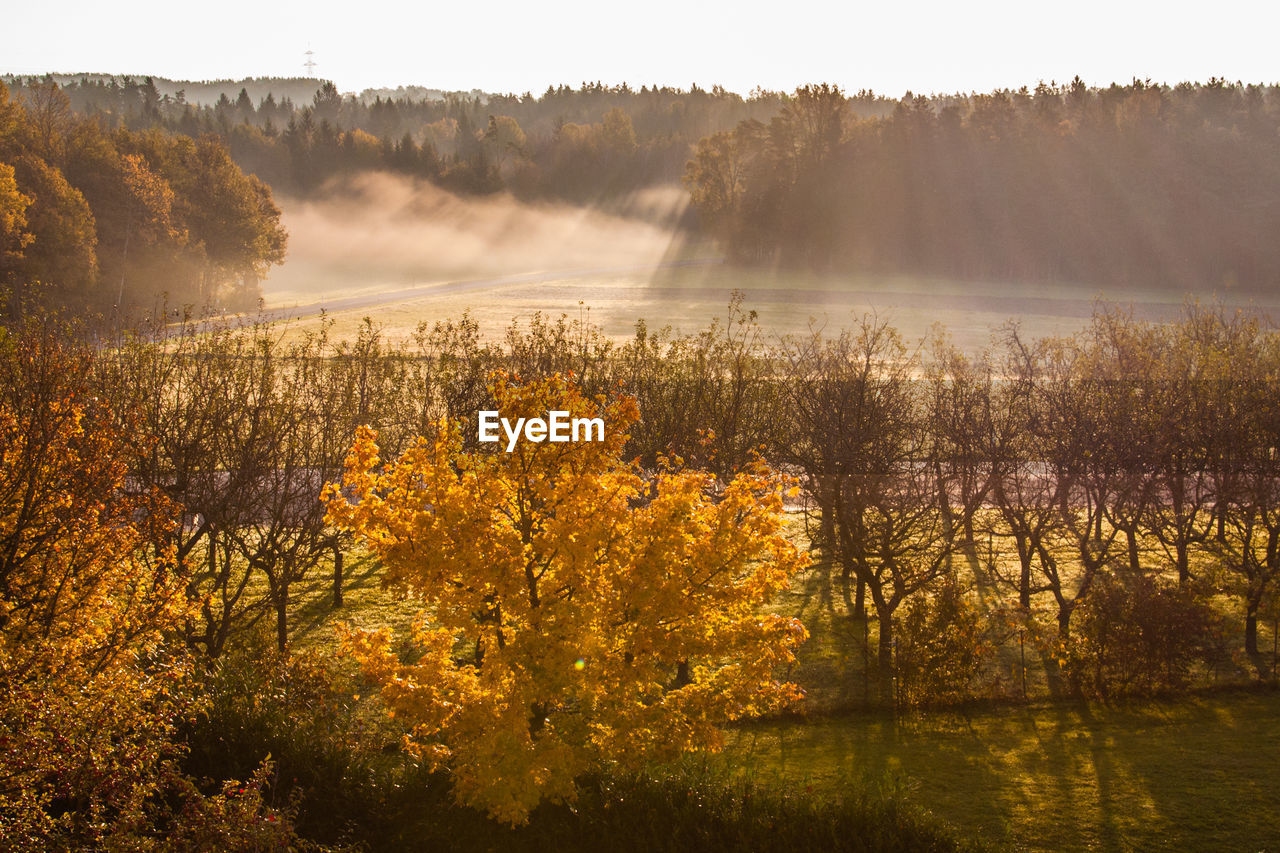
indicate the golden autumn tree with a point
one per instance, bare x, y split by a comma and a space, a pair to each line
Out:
577, 613
91, 681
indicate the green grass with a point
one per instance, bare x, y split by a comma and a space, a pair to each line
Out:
334, 763
366, 604
1196, 773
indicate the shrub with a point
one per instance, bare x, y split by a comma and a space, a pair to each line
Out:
300, 714
1134, 634
942, 647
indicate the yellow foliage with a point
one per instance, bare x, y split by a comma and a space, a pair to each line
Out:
89, 689
577, 613
13, 216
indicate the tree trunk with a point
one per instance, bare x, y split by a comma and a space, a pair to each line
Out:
969, 539
828, 526
1064, 620
885, 657
1024, 576
828, 529
282, 617
1184, 565
855, 600
1065, 609
944, 505
1134, 562
1251, 629
337, 576
683, 679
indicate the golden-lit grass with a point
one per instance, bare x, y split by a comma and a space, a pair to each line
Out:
366, 604
688, 298
1191, 774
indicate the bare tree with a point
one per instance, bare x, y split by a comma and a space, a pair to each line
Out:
1023, 488
863, 421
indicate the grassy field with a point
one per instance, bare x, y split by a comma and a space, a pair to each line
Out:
1188, 774
690, 297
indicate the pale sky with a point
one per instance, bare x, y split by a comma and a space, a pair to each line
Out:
521, 45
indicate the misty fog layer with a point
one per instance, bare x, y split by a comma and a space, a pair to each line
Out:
378, 232
405, 251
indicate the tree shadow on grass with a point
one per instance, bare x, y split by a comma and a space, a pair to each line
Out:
313, 613
1200, 771
1189, 774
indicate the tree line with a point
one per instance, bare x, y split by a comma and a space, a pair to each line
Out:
1131, 459
584, 144
1143, 183
1140, 184
118, 219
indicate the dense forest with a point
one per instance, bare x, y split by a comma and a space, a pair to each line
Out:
580, 144
1138, 184
117, 218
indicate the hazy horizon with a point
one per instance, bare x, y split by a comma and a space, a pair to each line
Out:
926, 48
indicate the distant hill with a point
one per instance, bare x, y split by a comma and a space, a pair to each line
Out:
418, 93
206, 92
300, 90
